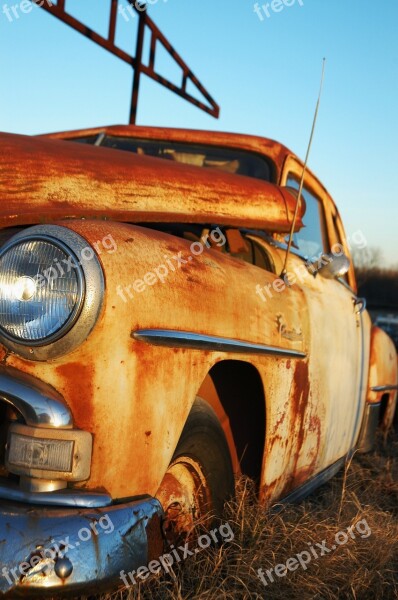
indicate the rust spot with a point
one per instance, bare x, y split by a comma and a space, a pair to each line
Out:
77, 386
94, 538
315, 426
287, 488
299, 402
303, 475
154, 538
277, 424
3, 353
276, 438
301, 390
148, 433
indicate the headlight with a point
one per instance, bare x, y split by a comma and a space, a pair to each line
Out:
41, 290
50, 292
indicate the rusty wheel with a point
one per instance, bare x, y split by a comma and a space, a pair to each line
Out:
200, 477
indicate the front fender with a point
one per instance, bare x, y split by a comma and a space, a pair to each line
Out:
134, 397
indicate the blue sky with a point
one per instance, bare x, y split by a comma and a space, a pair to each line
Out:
264, 74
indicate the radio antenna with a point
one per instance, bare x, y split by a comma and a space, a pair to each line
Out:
300, 191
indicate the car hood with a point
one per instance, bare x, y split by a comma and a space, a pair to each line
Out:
44, 180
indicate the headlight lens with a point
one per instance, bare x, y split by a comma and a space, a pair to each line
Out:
41, 290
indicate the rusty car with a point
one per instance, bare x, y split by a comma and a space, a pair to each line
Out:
157, 339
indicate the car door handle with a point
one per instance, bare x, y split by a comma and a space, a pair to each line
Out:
360, 305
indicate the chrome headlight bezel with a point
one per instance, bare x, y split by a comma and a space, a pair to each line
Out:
91, 288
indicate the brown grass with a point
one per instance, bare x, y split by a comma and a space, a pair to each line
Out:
362, 568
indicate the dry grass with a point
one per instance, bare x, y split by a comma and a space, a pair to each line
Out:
363, 568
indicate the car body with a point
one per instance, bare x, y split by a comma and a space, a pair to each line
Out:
389, 323
178, 291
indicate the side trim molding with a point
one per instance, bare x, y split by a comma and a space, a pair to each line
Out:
384, 388
197, 341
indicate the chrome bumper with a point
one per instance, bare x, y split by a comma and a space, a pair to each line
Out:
50, 552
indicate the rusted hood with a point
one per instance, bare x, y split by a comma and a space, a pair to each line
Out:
43, 180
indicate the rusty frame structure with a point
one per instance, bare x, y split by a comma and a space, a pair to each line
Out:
145, 23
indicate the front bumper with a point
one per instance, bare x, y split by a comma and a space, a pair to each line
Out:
56, 552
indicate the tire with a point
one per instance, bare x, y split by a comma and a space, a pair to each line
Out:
200, 477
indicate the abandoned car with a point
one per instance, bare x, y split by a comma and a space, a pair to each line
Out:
158, 338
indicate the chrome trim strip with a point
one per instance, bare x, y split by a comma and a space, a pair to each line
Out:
39, 404
346, 285
68, 497
384, 388
197, 341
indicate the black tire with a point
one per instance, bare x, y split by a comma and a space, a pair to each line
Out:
203, 439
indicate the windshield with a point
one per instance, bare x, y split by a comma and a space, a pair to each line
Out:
223, 159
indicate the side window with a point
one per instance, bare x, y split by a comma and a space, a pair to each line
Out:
310, 240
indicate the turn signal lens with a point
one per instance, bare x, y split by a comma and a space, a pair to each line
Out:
37, 453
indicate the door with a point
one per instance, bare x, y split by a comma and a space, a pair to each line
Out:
336, 340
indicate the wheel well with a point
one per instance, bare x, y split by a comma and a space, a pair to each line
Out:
383, 408
235, 390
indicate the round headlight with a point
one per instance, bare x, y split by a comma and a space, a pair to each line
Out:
51, 291
41, 290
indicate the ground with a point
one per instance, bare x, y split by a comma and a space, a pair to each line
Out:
356, 513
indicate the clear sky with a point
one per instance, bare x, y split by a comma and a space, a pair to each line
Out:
263, 72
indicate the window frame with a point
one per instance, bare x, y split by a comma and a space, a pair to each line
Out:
322, 218
331, 215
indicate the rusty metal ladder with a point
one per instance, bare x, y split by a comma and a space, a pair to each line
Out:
145, 23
